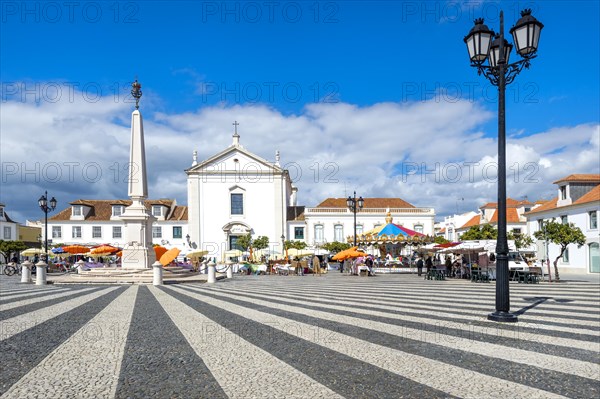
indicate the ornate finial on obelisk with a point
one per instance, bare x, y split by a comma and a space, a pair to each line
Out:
136, 92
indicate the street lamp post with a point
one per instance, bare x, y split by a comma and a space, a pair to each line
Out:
355, 205
46, 207
481, 47
283, 247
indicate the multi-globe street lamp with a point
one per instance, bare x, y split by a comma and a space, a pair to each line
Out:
485, 45
46, 207
355, 205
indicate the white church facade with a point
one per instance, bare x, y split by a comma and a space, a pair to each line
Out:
233, 193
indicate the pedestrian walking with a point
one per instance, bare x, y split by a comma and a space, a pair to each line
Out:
420, 266
428, 264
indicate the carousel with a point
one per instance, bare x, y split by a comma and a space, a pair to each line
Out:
395, 243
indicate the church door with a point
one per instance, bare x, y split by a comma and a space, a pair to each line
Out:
233, 242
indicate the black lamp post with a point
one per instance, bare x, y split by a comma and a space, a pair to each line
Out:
46, 207
526, 35
355, 205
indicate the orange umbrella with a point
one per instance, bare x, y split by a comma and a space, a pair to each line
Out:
76, 249
104, 249
348, 254
169, 256
159, 251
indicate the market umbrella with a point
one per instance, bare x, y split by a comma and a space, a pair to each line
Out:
76, 249
104, 249
169, 256
57, 250
32, 252
349, 254
159, 251
300, 252
196, 254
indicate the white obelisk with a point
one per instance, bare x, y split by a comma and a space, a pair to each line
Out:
138, 252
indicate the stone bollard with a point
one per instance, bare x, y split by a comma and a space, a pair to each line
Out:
40, 278
80, 265
212, 272
229, 269
158, 273
26, 271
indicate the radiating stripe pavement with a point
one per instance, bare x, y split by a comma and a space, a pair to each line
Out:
298, 337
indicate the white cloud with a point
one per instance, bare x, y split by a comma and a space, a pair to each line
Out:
411, 150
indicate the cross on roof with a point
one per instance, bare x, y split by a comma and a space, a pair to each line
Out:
235, 124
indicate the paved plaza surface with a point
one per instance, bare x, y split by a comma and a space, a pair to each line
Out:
389, 336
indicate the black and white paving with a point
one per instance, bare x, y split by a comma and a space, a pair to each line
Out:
336, 336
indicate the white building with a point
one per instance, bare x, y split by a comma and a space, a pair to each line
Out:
331, 220
447, 228
94, 222
516, 221
8, 227
236, 192
577, 202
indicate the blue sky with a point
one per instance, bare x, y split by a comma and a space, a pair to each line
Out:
296, 61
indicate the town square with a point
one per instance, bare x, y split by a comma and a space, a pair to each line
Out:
299, 200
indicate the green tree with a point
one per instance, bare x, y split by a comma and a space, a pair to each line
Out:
440, 240
521, 240
7, 248
260, 242
485, 232
335, 246
294, 244
562, 235
244, 242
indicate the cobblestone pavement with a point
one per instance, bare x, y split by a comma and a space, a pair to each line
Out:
391, 336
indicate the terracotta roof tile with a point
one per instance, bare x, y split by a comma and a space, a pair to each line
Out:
588, 178
510, 203
179, 213
592, 196
474, 221
512, 216
101, 210
369, 203
551, 204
